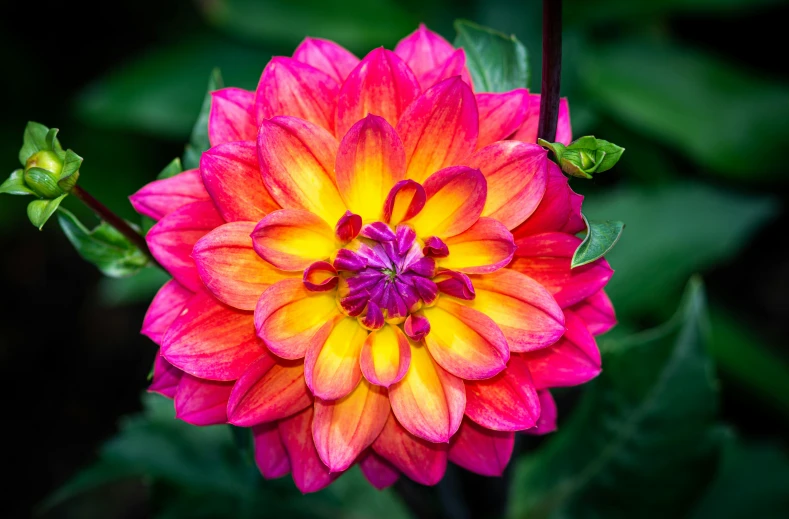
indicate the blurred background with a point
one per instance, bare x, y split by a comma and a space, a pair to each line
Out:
693, 89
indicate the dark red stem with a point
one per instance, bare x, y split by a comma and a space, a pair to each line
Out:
551, 69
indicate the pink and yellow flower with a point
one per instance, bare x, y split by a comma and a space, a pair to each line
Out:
366, 271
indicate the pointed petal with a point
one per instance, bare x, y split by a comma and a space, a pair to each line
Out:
297, 164
289, 318
269, 390
484, 247
165, 307
232, 177
309, 472
428, 401
161, 197
212, 341
165, 377
230, 268
455, 198
326, 56
331, 368
573, 360
517, 177
292, 239
597, 312
343, 428
289, 87
546, 423
172, 239
202, 402
379, 472
528, 131
232, 116
559, 209
501, 114
423, 50
423, 461
370, 161
439, 128
481, 450
506, 402
526, 312
546, 259
465, 342
455, 65
382, 84
385, 356
270, 455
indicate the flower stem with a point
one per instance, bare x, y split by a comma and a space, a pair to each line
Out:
551, 69
123, 227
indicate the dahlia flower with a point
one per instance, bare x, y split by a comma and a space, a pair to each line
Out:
365, 270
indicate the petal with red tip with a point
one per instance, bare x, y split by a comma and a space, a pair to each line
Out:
464, 341
455, 198
230, 268
165, 307
404, 201
232, 116
331, 368
379, 472
202, 402
526, 312
289, 318
546, 259
423, 50
269, 390
161, 197
428, 401
546, 423
517, 176
327, 57
439, 128
528, 131
385, 356
342, 429
382, 84
165, 377
210, 340
559, 209
309, 472
232, 177
506, 402
423, 461
573, 360
289, 87
597, 312
484, 247
270, 455
455, 65
501, 114
292, 239
481, 450
370, 161
172, 239
297, 164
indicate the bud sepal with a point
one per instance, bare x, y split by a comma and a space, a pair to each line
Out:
585, 156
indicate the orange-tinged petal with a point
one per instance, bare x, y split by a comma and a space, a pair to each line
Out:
484, 247
331, 368
369, 163
309, 472
382, 84
343, 428
385, 356
428, 401
501, 114
464, 341
292, 239
439, 128
455, 198
230, 268
202, 402
164, 309
270, 455
289, 318
423, 461
559, 209
517, 175
297, 163
526, 312
481, 450
327, 57
232, 116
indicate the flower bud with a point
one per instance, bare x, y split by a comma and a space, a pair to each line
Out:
42, 172
585, 156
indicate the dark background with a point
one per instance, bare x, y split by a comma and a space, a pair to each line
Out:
124, 82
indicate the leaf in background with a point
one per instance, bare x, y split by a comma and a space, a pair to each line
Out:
727, 119
608, 11
642, 442
198, 142
600, 238
171, 169
104, 246
39, 211
674, 230
498, 63
139, 288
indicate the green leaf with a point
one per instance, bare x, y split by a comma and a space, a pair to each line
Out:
103, 246
39, 211
498, 63
34, 140
70, 173
600, 238
198, 143
642, 442
171, 169
15, 184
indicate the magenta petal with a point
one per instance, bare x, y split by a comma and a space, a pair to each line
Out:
546, 423
379, 472
161, 197
165, 377
501, 114
374, 318
327, 57
348, 226
597, 312
165, 307
309, 472
348, 260
404, 201
232, 116
202, 402
321, 276
528, 131
416, 326
270, 455
481, 450
455, 284
559, 210
435, 248
423, 50
455, 65
423, 461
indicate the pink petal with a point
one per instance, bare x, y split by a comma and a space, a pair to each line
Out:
161, 197
423, 50
309, 472
232, 116
484, 247
270, 455
418, 459
528, 131
546, 423
597, 312
165, 377
559, 209
404, 201
481, 450
202, 402
327, 57
165, 307
501, 114
455, 65
379, 472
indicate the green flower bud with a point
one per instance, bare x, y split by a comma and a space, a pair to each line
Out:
42, 173
585, 156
